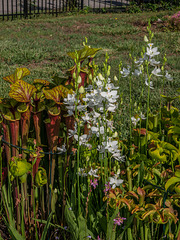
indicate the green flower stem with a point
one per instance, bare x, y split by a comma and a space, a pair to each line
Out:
78, 132
148, 101
33, 203
129, 175
141, 230
146, 231
1, 183
130, 107
22, 212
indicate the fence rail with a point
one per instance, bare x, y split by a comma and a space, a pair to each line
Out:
10, 9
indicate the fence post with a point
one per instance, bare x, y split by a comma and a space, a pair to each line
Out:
82, 4
25, 8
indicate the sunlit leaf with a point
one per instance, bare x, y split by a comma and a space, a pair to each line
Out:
84, 53
22, 91
18, 75
57, 93
171, 182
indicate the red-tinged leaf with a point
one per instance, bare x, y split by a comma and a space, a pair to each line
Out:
57, 93
141, 192
125, 201
22, 91
133, 194
18, 75
146, 214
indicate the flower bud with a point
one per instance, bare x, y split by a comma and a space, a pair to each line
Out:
100, 77
90, 76
109, 71
79, 79
81, 89
146, 39
74, 75
115, 78
115, 135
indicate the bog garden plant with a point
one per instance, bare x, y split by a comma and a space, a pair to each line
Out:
65, 171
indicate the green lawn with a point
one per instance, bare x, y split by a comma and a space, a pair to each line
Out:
42, 44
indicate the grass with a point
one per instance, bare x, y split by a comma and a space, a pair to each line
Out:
41, 45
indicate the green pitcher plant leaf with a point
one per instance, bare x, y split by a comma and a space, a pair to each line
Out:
18, 75
22, 91
171, 182
19, 167
12, 117
22, 108
41, 177
84, 53
57, 93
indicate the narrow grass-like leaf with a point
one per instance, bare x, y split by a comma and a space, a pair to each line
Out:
43, 237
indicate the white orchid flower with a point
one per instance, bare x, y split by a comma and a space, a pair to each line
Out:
61, 149
151, 52
82, 172
156, 72
168, 76
147, 84
93, 173
137, 72
153, 62
115, 182
135, 121
82, 139
125, 72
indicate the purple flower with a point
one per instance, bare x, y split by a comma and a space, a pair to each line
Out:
108, 187
94, 183
119, 220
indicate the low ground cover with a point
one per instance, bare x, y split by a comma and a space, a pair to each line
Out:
94, 153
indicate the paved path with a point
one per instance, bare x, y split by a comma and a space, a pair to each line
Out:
17, 6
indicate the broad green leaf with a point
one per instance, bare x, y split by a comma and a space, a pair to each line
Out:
158, 155
19, 168
174, 130
84, 53
129, 221
57, 93
177, 173
54, 111
111, 234
22, 91
171, 182
141, 173
22, 107
102, 221
12, 117
83, 229
13, 232
71, 221
59, 80
18, 75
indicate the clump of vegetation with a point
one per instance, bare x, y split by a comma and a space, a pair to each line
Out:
65, 170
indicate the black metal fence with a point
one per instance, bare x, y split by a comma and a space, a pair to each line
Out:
10, 9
